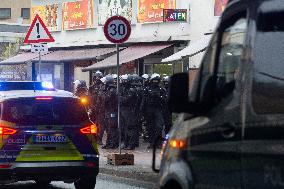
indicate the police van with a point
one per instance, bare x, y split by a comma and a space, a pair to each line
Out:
46, 135
230, 131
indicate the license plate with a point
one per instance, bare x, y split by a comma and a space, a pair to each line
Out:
50, 138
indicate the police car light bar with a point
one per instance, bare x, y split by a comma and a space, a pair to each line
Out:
25, 85
47, 85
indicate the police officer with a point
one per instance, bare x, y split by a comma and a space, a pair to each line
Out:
137, 83
128, 113
124, 87
96, 85
97, 90
145, 125
110, 100
97, 109
153, 103
166, 111
80, 88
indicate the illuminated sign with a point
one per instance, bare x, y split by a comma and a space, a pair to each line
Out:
107, 9
48, 14
175, 15
150, 11
77, 15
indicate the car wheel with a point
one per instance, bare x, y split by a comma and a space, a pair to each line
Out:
43, 182
85, 183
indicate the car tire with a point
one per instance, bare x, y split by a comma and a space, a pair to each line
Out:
85, 183
43, 183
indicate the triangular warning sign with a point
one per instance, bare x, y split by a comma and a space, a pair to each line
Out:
38, 33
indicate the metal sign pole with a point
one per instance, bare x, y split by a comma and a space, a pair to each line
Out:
39, 65
118, 97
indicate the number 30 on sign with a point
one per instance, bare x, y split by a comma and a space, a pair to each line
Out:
117, 29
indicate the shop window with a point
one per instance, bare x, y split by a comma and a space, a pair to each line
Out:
163, 69
148, 69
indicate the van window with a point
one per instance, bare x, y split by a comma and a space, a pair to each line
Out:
226, 69
231, 48
57, 111
268, 77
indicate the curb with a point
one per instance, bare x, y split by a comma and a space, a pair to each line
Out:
140, 175
129, 181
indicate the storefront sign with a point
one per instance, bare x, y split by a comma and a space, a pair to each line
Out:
107, 9
219, 7
152, 10
175, 15
77, 15
48, 14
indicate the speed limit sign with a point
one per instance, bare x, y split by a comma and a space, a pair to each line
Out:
117, 29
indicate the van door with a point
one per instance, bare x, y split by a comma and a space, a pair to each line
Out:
263, 145
214, 153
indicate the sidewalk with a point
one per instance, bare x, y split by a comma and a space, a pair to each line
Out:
141, 170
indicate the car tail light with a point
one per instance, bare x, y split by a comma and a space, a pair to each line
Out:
43, 98
91, 129
5, 166
7, 131
178, 144
90, 164
84, 100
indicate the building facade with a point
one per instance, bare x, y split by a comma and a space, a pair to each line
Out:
15, 11
77, 26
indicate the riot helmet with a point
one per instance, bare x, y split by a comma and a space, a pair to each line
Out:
114, 76
145, 76
136, 80
109, 80
80, 83
166, 80
103, 80
155, 78
97, 76
124, 79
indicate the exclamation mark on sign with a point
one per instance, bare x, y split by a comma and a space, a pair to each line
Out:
37, 29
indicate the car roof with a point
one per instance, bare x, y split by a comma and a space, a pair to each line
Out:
12, 94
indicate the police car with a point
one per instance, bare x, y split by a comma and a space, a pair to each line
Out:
46, 135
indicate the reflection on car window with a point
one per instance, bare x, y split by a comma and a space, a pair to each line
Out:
268, 79
207, 69
60, 111
230, 55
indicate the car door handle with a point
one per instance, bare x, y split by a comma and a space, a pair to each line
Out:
228, 131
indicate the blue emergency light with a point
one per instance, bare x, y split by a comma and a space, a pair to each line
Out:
26, 85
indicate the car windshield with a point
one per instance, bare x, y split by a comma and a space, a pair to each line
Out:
55, 111
268, 85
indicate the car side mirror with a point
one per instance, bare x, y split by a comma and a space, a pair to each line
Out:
178, 93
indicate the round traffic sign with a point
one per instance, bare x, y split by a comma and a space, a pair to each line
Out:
117, 29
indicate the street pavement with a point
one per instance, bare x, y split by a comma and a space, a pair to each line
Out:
140, 171
137, 176
103, 182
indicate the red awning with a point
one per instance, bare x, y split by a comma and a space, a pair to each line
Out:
129, 54
59, 56
20, 58
76, 55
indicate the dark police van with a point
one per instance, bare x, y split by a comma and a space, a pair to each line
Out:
230, 133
